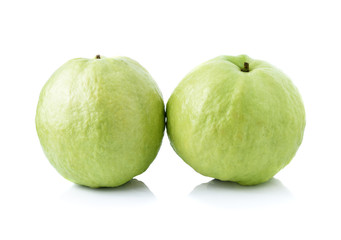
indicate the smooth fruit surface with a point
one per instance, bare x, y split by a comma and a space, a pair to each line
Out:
100, 121
236, 124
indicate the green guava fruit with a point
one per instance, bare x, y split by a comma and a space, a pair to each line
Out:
100, 121
236, 119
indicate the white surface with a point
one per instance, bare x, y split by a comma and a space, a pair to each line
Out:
170, 200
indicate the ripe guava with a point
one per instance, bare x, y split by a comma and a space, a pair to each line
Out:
100, 121
236, 119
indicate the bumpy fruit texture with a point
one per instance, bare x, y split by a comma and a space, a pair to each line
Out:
236, 125
100, 121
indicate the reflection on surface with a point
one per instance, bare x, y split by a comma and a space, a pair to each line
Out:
231, 195
132, 193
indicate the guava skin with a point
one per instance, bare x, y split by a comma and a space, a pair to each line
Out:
100, 121
234, 125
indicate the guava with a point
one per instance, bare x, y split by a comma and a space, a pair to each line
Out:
236, 119
100, 121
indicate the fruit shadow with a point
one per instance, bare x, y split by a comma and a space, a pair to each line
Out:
232, 195
132, 193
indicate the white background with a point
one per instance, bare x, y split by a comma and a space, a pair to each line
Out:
170, 200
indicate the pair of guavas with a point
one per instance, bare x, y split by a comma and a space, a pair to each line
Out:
101, 121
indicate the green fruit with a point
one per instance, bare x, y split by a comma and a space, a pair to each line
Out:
236, 119
100, 121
